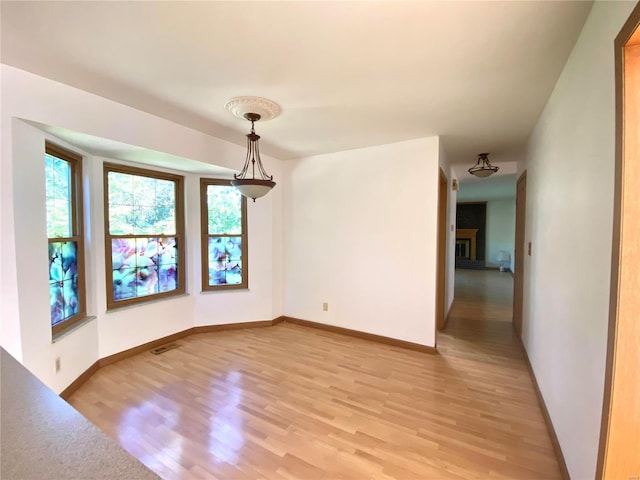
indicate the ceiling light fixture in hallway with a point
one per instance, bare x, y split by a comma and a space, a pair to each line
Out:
483, 167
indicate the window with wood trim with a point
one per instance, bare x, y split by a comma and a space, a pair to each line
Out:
224, 235
65, 231
144, 234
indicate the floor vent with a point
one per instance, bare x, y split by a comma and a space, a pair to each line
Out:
164, 348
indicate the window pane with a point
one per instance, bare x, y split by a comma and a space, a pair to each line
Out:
70, 296
58, 197
50, 176
51, 211
124, 283
63, 280
167, 261
145, 221
140, 205
144, 191
147, 280
62, 179
225, 210
167, 251
57, 303
121, 220
120, 188
120, 199
123, 251
225, 260
60, 220
143, 266
165, 193
168, 277
165, 220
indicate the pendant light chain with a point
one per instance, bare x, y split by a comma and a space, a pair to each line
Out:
253, 187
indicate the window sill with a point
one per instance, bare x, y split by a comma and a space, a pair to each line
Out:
225, 290
146, 302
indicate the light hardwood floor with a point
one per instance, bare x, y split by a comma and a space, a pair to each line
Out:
290, 402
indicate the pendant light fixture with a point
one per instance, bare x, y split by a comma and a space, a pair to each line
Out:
483, 167
253, 181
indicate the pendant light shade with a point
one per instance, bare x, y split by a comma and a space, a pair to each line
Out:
253, 188
483, 167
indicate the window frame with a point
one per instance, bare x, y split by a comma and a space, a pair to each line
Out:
77, 229
179, 234
204, 234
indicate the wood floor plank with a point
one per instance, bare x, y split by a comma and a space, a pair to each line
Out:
291, 402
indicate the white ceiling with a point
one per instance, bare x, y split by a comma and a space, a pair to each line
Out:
117, 150
346, 74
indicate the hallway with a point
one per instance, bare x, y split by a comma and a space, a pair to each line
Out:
291, 402
479, 340
481, 314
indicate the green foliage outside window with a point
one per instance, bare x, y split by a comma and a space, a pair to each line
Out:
58, 197
225, 210
141, 205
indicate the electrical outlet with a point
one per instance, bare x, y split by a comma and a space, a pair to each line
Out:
325, 307
57, 364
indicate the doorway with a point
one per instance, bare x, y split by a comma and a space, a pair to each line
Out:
620, 433
471, 235
518, 275
442, 252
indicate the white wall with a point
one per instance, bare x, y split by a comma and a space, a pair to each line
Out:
501, 228
79, 350
26, 330
9, 317
360, 234
569, 222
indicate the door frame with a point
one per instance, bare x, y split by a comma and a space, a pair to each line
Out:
619, 439
441, 262
519, 249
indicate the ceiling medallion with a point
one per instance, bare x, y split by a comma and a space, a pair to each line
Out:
241, 106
